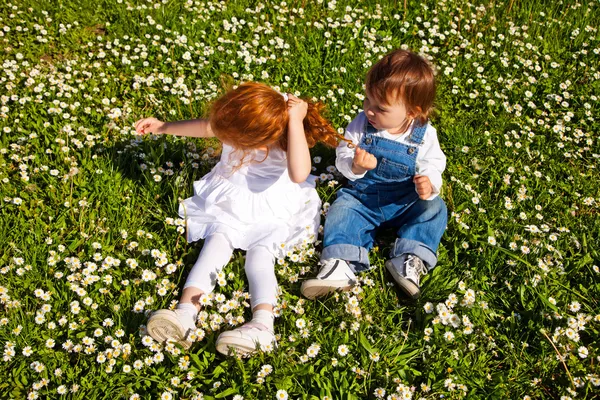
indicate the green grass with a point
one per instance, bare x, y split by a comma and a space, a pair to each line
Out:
518, 87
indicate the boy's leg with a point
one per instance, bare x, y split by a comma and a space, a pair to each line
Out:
177, 325
259, 332
349, 234
350, 230
420, 229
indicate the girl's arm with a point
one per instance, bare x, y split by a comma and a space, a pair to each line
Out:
193, 127
298, 155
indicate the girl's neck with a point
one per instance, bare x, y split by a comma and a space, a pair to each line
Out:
262, 148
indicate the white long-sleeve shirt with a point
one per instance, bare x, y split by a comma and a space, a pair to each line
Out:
430, 162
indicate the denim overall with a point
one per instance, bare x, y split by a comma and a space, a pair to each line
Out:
385, 196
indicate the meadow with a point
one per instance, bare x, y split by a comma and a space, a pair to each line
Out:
91, 242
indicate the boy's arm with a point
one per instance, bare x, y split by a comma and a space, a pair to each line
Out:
192, 128
344, 154
431, 162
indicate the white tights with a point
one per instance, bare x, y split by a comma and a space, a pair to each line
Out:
259, 267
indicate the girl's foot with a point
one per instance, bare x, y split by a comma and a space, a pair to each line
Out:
246, 339
175, 325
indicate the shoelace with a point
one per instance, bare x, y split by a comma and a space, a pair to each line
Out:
414, 264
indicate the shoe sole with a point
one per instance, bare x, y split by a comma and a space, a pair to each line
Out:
406, 285
163, 325
228, 341
313, 288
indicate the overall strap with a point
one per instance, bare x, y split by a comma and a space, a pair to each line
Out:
369, 128
418, 133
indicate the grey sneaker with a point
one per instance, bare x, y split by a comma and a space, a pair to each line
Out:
335, 274
407, 271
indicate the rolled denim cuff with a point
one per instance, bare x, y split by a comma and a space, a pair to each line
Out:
357, 257
404, 246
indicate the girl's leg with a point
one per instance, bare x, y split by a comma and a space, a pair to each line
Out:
262, 282
178, 324
215, 254
260, 271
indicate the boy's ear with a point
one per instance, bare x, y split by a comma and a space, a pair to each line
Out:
417, 111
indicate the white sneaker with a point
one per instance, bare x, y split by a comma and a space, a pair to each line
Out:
176, 325
407, 271
246, 340
335, 274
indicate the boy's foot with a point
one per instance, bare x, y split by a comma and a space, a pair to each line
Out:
246, 339
176, 325
335, 274
407, 271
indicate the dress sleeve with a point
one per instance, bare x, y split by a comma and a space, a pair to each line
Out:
431, 161
344, 154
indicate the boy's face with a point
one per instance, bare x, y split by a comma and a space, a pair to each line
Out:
390, 117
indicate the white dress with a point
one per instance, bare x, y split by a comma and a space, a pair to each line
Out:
253, 205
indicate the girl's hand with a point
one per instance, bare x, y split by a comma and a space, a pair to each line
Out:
149, 125
424, 187
363, 161
297, 108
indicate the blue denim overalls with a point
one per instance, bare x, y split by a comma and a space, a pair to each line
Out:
385, 196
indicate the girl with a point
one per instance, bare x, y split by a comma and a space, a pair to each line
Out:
259, 195
395, 177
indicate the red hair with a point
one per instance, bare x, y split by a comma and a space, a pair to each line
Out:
407, 77
254, 115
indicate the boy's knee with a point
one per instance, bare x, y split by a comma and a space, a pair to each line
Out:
342, 211
432, 209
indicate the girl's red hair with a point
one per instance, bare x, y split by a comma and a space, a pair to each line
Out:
254, 115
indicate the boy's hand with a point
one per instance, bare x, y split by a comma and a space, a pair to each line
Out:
363, 161
424, 186
297, 108
149, 125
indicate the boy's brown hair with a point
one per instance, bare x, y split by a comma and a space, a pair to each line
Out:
406, 77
